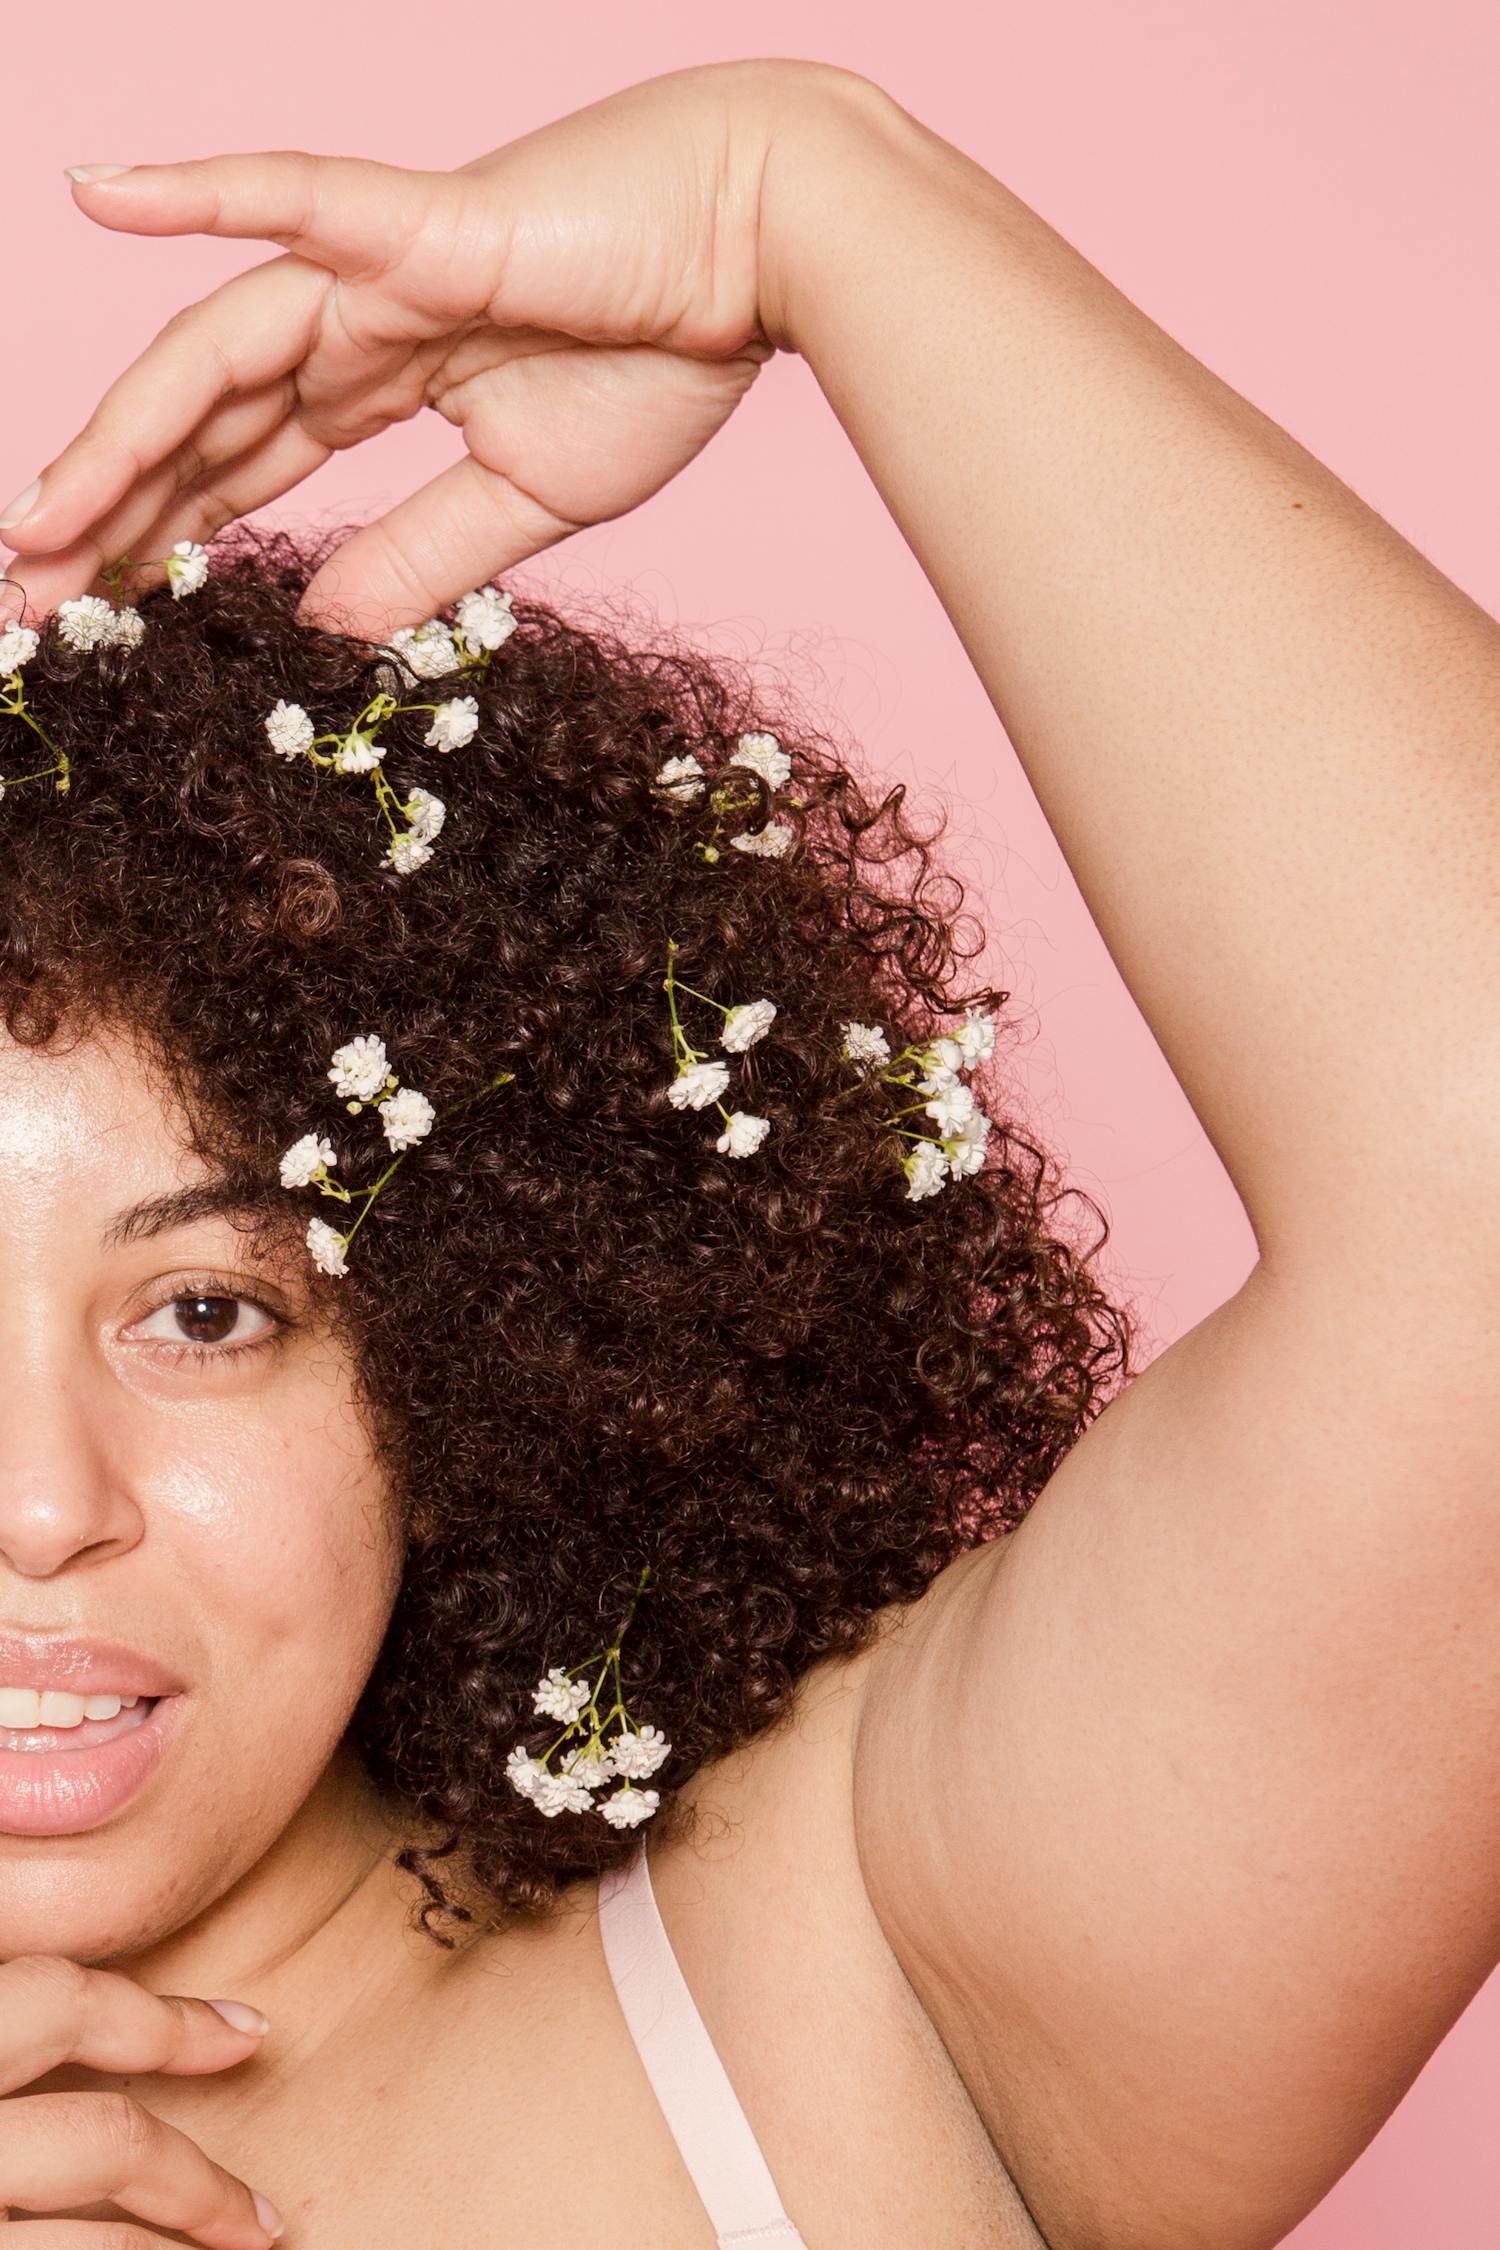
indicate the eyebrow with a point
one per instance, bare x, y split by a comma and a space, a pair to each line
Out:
181, 1207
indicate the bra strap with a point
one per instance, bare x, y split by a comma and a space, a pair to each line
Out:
690, 2082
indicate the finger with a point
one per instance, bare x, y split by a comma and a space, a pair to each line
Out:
53, 2011
233, 430
84, 2234
250, 332
348, 212
58, 2151
453, 533
236, 488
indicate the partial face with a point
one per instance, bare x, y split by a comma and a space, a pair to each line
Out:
182, 1470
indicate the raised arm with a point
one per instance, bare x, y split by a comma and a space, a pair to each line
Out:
1179, 1805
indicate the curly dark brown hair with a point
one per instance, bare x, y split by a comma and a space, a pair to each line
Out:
590, 1343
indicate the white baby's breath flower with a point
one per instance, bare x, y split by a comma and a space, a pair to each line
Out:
327, 1247
562, 1792
743, 1134
593, 1765
290, 730
428, 651
406, 1118
763, 754
926, 1169
865, 1043
408, 853
965, 1150
747, 1023
85, 622
637, 1755
426, 814
305, 1159
698, 1085
187, 568
975, 1036
770, 842
950, 1109
484, 617
18, 645
628, 1807
128, 629
558, 1697
360, 1068
358, 753
942, 1054
681, 779
937, 1081
523, 1771
453, 724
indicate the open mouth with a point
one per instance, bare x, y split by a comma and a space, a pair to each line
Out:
59, 1781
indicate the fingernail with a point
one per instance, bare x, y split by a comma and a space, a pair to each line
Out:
88, 173
242, 2018
22, 504
268, 2215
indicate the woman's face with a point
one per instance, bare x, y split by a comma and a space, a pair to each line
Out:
183, 1470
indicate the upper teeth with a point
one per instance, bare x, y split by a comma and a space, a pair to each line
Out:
49, 1707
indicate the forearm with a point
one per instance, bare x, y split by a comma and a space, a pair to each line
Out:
1261, 725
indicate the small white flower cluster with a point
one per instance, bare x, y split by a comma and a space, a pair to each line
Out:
86, 622
413, 820
187, 568
682, 781
361, 1075
435, 649
699, 1079
632, 1754
933, 1070
92, 622
432, 651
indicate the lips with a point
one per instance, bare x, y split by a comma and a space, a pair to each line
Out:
82, 1667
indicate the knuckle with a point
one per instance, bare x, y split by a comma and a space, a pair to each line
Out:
127, 2129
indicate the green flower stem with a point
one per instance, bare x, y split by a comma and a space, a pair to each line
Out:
329, 1186
688, 989
610, 1659
16, 709
685, 1050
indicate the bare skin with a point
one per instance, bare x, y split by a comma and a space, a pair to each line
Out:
1136, 1871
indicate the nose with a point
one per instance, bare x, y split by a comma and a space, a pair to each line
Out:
63, 1500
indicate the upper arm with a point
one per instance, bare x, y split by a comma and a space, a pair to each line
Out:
1180, 1805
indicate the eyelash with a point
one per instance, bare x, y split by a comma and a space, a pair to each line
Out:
203, 1356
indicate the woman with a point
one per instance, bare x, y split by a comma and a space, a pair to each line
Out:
1102, 1884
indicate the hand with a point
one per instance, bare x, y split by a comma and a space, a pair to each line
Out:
63, 2151
583, 303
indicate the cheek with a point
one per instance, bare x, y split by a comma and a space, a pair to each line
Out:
282, 1545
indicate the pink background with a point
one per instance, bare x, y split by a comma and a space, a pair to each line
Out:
1302, 191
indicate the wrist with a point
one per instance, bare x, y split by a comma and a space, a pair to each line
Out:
835, 137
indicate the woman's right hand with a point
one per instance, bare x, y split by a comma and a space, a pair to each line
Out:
62, 2152
583, 303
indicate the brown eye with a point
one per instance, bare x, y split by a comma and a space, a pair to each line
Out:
206, 1317
206, 1320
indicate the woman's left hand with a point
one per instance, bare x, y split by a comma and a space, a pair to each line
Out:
583, 304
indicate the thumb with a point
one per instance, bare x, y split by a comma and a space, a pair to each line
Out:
456, 532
